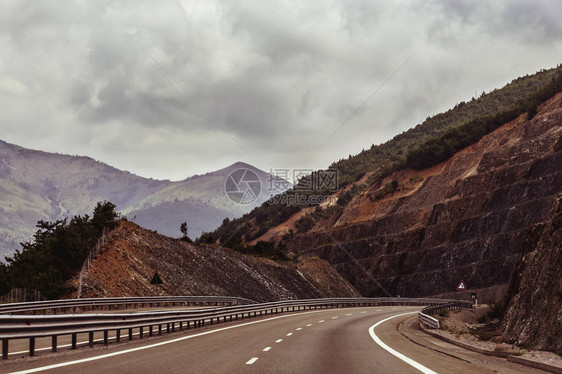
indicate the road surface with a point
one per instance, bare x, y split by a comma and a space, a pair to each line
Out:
355, 340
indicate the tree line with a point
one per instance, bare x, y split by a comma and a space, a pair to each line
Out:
441, 148
56, 253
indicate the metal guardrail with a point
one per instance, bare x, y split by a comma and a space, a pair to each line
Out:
425, 315
36, 326
72, 305
429, 320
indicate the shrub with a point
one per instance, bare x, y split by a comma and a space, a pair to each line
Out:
443, 313
304, 224
344, 198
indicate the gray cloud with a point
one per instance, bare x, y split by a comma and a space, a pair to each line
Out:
280, 77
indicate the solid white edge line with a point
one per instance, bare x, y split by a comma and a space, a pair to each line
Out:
95, 358
252, 360
395, 353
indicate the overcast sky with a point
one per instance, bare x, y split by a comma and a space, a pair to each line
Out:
171, 89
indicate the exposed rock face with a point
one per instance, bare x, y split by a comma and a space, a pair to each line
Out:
464, 219
132, 255
534, 314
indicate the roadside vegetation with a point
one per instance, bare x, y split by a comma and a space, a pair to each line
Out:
56, 253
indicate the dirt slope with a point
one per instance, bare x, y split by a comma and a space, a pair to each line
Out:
464, 219
132, 255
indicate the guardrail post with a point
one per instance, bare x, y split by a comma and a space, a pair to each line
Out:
160, 329
53, 343
105, 337
91, 338
150, 330
168, 328
141, 332
181, 324
118, 335
32, 346
73, 341
130, 333
5, 343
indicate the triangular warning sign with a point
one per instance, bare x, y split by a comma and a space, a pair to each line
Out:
461, 286
156, 279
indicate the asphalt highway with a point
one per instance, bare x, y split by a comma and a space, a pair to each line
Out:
356, 340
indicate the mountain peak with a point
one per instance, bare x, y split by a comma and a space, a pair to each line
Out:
241, 165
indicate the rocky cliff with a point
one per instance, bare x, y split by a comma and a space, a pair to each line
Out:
534, 314
131, 255
464, 219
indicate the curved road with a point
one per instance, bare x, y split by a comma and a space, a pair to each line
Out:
327, 341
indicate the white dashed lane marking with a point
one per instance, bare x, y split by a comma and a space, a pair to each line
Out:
266, 349
334, 317
320, 321
252, 360
278, 340
289, 334
299, 328
310, 324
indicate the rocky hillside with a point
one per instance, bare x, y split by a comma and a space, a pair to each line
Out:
37, 185
132, 255
534, 313
421, 232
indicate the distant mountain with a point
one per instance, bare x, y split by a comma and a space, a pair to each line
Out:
36, 185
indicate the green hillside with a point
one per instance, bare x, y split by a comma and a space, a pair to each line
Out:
394, 150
